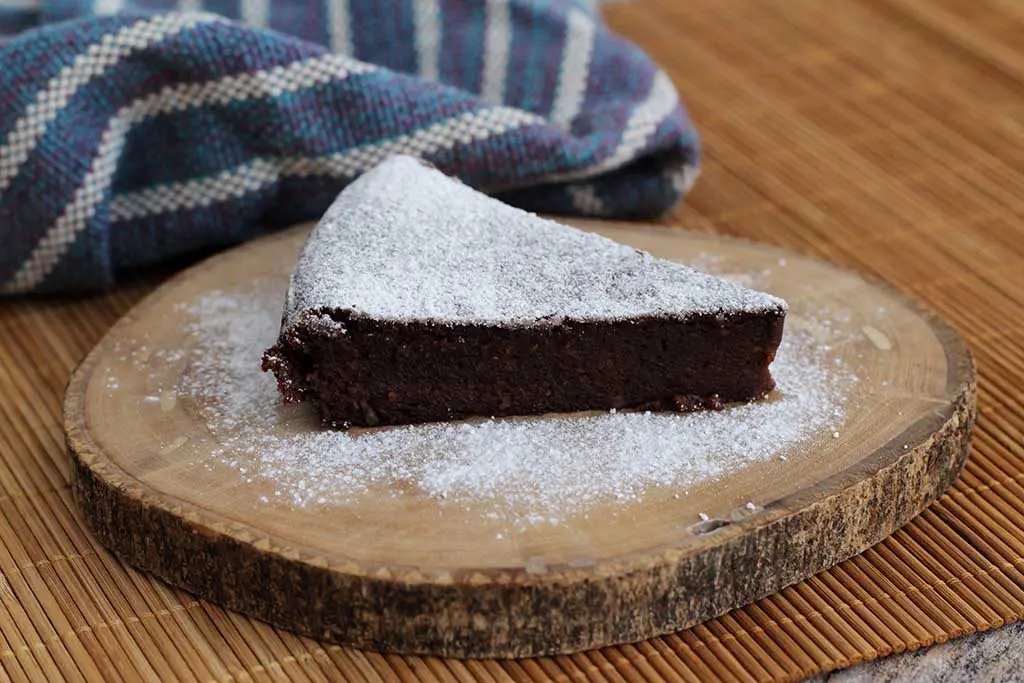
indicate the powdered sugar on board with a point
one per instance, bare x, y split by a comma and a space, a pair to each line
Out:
405, 241
523, 471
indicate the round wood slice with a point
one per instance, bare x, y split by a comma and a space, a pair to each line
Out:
415, 574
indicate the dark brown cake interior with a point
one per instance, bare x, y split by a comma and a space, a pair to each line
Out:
365, 372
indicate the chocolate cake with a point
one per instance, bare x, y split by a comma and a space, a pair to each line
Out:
417, 298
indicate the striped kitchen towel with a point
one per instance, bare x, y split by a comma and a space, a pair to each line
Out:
131, 133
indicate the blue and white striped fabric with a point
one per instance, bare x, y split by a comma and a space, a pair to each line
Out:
131, 133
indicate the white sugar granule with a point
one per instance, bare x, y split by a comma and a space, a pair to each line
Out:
526, 470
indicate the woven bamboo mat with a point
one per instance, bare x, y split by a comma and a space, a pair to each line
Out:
884, 135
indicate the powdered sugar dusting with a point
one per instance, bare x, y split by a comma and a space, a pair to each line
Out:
525, 471
406, 241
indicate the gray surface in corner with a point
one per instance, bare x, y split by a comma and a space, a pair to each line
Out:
992, 657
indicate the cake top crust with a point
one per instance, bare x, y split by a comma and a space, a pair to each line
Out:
407, 242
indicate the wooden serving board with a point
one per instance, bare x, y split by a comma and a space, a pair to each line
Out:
417, 574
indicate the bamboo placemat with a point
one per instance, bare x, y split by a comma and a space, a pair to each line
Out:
884, 135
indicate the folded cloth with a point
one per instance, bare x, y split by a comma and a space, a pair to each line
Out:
131, 134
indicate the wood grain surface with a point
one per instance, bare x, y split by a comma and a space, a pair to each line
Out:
882, 135
613, 572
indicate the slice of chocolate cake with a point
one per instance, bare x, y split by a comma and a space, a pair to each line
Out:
417, 299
